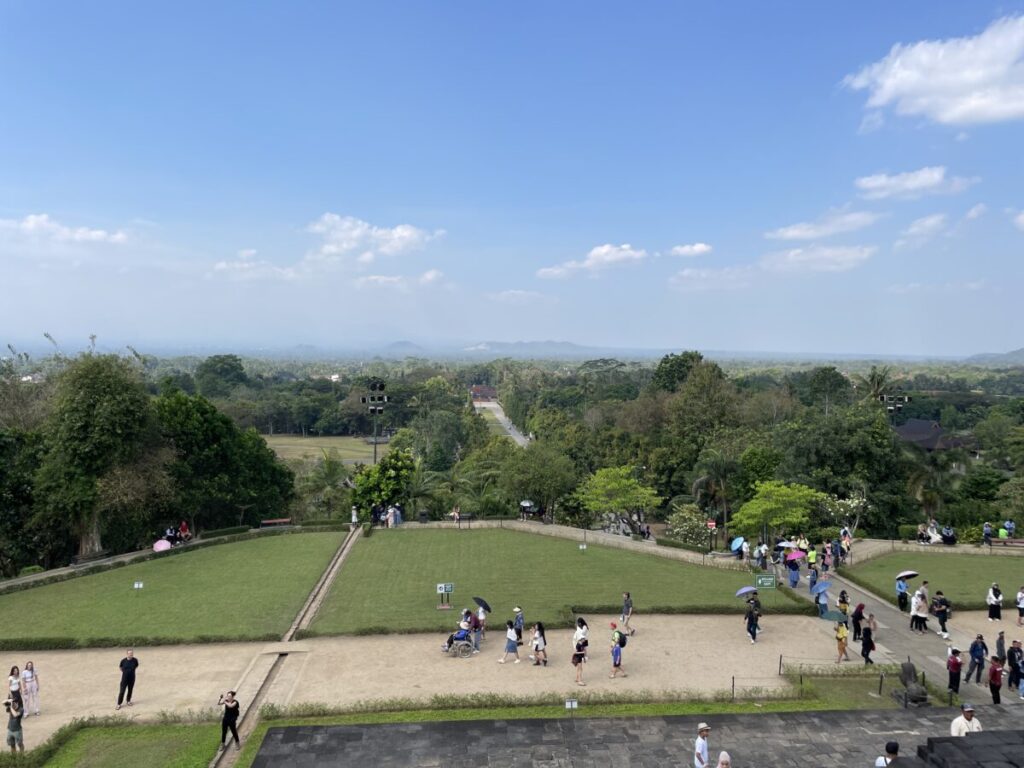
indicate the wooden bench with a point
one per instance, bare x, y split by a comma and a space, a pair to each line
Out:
275, 522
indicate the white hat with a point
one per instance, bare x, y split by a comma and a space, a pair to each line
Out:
703, 727
517, 609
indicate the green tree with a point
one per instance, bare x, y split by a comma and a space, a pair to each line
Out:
325, 485
776, 508
829, 386
715, 473
1011, 498
993, 433
673, 370
540, 472
615, 490
218, 375
871, 386
688, 524
383, 483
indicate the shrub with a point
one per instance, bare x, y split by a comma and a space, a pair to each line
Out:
908, 532
676, 544
320, 521
688, 525
28, 570
367, 530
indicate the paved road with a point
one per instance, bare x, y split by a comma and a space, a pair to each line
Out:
510, 428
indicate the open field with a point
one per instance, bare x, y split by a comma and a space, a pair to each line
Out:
389, 580
248, 590
493, 425
965, 579
154, 746
350, 449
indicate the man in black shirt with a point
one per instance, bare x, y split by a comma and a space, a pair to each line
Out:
128, 666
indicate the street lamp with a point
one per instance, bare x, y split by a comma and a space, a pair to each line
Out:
375, 404
894, 404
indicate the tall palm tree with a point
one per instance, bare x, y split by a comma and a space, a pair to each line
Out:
326, 484
932, 477
875, 384
715, 472
423, 487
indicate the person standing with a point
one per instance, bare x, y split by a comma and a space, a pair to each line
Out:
841, 634
954, 664
579, 656
822, 601
994, 600
511, 643
229, 722
1014, 660
843, 606
892, 751
867, 638
14, 685
812, 577
1001, 646
978, 651
476, 627
966, 723
540, 645
986, 534
30, 688
941, 607
15, 736
995, 677
901, 594
618, 641
128, 666
627, 613
1020, 607
751, 619
794, 572
481, 614
518, 623
857, 617
700, 746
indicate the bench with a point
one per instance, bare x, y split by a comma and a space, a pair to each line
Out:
275, 522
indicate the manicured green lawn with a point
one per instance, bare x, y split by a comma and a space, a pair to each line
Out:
247, 590
493, 425
153, 746
965, 579
299, 447
389, 581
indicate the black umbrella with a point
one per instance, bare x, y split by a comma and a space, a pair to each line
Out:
482, 603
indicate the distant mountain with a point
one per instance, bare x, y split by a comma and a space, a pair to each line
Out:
1016, 357
403, 349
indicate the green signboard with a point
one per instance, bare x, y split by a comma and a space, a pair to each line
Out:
765, 581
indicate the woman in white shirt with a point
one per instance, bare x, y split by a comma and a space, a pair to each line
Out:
994, 599
540, 644
30, 688
1020, 607
14, 686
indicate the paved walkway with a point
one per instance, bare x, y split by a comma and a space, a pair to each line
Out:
789, 740
506, 423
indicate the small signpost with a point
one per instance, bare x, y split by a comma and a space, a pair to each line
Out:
765, 581
572, 705
445, 591
137, 586
712, 525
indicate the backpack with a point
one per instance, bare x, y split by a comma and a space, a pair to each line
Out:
622, 639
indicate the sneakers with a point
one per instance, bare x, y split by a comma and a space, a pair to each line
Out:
501, 661
476, 651
536, 663
531, 657
517, 661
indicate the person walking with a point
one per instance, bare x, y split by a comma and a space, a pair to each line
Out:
978, 651
954, 664
1020, 606
751, 619
794, 572
518, 623
579, 654
511, 643
128, 666
941, 606
841, 634
1001, 646
892, 751
867, 638
724, 760
15, 736
843, 606
30, 688
812, 577
1014, 660
540, 645
995, 678
14, 685
986, 534
994, 600
627, 613
618, 643
822, 601
901, 594
700, 746
856, 618
966, 723
229, 722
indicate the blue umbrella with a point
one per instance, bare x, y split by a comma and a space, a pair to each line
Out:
736, 543
745, 591
821, 586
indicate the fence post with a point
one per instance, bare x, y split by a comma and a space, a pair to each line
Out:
734, 688
801, 685
881, 682
906, 700
780, 664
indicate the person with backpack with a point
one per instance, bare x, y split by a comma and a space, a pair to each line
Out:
940, 607
751, 619
978, 651
618, 643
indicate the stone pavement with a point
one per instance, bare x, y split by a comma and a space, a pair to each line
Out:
785, 740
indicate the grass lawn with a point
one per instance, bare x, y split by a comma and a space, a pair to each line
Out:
493, 425
154, 746
389, 581
248, 590
965, 579
299, 447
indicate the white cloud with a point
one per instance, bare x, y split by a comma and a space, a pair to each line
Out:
400, 283
976, 212
693, 280
42, 226
246, 267
832, 223
912, 184
430, 277
693, 249
600, 258
346, 238
921, 231
817, 258
382, 281
517, 297
957, 81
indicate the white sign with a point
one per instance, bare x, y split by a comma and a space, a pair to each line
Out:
445, 588
572, 704
583, 546
137, 585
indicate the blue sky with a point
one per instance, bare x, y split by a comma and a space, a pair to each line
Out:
771, 176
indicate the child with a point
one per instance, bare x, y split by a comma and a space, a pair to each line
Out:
511, 644
578, 657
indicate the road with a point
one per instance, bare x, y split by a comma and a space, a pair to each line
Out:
510, 429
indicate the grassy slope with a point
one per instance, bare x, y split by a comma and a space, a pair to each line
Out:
964, 579
389, 580
493, 425
298, 447
153, 746
244, 590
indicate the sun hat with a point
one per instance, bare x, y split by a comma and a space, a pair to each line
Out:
517, 609
703, 727
967, 707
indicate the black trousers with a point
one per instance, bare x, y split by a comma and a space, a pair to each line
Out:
954, 682
228, 725
974, 665
995, 692
942, 621
127, 686
902, 599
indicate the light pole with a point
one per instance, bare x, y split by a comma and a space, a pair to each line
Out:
894, 404
375, 404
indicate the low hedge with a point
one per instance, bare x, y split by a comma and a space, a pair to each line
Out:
217, 532
850, 574
322, 521
676, 544
72, 643
28, 570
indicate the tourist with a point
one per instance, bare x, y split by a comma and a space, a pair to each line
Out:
476, 627
994, 600
128, 666
745, 551
953, 665
700, 746
822, 601
924, 593
751, 620
857, 617
618, 642
948, 535
1014, 660
511, 643
30, 688
481, 616
518, 623
14, 686
966, 723
841, 634
978, 651
755, 603
901, 593
812, 578
995, 677
540, 644
826, 558
183, 532
922, 611
229, 722
892, 751
579, 657
1001, 646
794, 572
724, 761
15, 736
627, 613
867, 638
1020, 607
1011, 528
843, 606
986, 534
941, 606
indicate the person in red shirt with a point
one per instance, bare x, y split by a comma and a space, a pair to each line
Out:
183, 532
995, 678
954, 664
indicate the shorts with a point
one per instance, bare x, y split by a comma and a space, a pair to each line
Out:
1020, 612
616, 656
15, 739
577, 659
511, 646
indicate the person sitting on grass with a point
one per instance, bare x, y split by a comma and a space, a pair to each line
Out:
183, 532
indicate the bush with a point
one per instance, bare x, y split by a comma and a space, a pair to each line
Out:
908, 532
320, 521
676, 544
971, 534
28, 570
367, 530
688, 525
225, 531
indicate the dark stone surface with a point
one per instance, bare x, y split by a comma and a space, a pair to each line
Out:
790, 740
